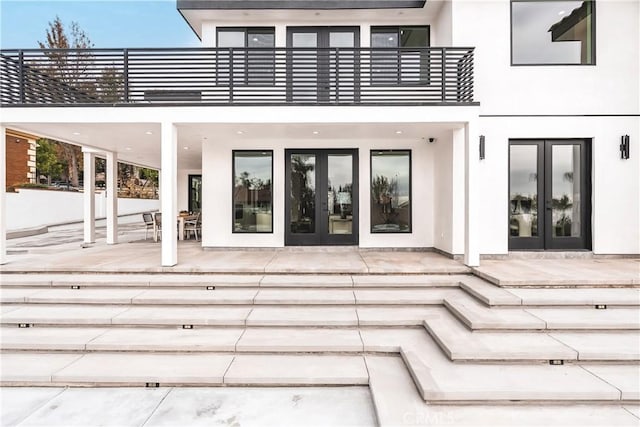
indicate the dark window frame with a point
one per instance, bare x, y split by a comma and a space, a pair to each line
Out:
233, 186
190, 184
389, 80
245, 80
371, 154
593, 36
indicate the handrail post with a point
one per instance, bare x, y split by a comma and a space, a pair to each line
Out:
21, 95
126, 75
337, 76
231, 61
444, 70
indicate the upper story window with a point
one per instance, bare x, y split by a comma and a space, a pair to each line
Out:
253, 59
547, 32
403, 65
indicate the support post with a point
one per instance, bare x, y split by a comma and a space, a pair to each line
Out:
3, 195
112, 198
471, 196
89, 196
169, 193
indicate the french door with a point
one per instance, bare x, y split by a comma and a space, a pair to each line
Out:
321, 204
322, 66
549, 194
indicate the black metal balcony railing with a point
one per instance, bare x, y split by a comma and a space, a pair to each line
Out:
237, 76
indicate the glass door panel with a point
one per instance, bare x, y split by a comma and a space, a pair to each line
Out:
523, 191
322, 203
342, 65
303, 193
565, 190
304, 66
549, 194
340, 193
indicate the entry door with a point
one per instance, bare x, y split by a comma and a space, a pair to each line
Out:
322, 197
322, 64
549, 194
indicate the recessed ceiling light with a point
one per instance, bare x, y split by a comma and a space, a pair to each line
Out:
398, 132
239, 132
186, 148
76, 133
128, 148
149, 132
315, 132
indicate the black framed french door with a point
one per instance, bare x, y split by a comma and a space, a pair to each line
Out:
550, 194
321, 204
322, 66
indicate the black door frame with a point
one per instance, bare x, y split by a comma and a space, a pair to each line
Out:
190, 189
321, 235
545, 240
323, 91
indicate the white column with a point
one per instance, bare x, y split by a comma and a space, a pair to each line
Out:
3, 195
112, 198
89, 197
168, 190
471, 196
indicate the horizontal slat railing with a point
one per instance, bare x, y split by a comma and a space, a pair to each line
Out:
237, 76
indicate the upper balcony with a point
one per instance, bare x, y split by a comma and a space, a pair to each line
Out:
237, 76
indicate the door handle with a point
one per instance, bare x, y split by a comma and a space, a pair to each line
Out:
549, 207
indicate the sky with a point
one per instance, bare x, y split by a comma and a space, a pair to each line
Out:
108, 23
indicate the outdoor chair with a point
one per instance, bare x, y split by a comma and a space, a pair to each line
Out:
157, 229
148, 222
193, 226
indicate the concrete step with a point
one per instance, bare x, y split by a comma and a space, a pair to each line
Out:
177, 316
227, 339
578, 297
479, 317
397, 402
462, 345
439, 380
108, 369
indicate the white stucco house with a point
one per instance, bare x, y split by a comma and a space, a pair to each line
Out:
473, 128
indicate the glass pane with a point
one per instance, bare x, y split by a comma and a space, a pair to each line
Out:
305, 40
195, 193
252, 199
261, 39
384, 39
552, 32
303, 193
261, 62
304, 63
414, 37
231, 39
565, 184
523, 191
339, 193
390, 192
341, 39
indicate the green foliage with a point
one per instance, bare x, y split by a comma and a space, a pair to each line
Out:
47, 161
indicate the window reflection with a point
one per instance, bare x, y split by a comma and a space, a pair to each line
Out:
252, 198
523, 191
552, 32
391, 192
303, 193
565, 204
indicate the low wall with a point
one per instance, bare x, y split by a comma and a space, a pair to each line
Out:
30, 208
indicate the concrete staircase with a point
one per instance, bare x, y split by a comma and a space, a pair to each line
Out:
455, 338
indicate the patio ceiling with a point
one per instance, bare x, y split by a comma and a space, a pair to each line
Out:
139, 143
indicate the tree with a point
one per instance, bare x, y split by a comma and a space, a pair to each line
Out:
69, 67
47, 159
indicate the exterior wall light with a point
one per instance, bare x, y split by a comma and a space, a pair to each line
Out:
624, 147
482, 149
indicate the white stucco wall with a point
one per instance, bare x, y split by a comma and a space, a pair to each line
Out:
35, 208
615, 182
217, 193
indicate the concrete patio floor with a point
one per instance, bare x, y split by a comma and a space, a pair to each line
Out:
61, 250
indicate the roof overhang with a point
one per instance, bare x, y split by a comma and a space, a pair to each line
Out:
298, 4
